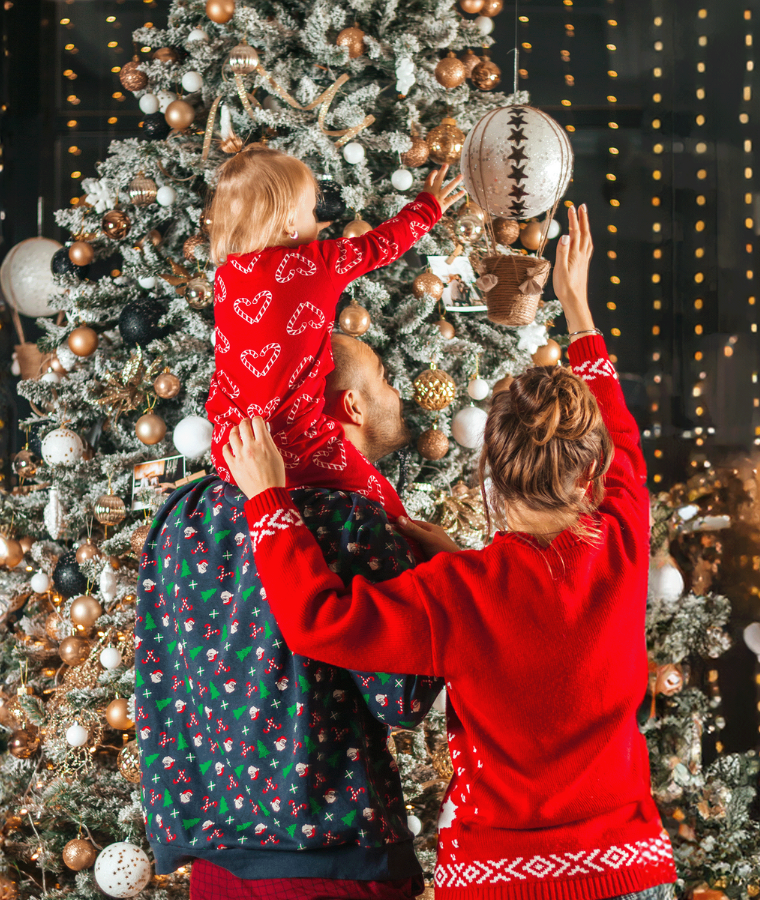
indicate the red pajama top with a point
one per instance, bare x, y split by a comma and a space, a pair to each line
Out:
274, 312
544, 656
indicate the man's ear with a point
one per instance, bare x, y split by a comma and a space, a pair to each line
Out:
351, 406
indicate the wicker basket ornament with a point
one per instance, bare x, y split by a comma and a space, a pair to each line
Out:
513, 300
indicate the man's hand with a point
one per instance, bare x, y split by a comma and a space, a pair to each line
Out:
574, 253
443, 193
253, 458
431, 538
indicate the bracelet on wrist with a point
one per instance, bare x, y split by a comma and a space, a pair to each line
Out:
586, 331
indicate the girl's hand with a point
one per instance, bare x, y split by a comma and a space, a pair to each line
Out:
443, 193
570, 279
432, 538
253, 458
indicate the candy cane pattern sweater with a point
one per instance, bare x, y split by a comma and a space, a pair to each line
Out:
544, 656
274, 313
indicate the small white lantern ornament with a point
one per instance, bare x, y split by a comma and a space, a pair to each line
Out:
62, 447
192, 436
122, 869
148, 104
107, 582
53, 514
468, 426
166, 195
353, 153
402, 179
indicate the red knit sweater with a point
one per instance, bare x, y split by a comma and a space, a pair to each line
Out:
545, 661
274, 312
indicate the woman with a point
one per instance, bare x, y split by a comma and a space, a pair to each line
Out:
540, 636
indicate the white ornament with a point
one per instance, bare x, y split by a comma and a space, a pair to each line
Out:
40, 582
752, 637
66, 356
107, 583
148, 104
192, 82
15, 366
225, 122
76, 735
51, 378
531, 337
510, 138
192, 436
688, 512
110, 657
554, 230
62, 447
101, 193
147, 281
122, 869
468, 426
402, 179
164, 99
197, 34
405, 76
439, 703
166, 195
52, 515
485, 24
414, 825
665, 582
26, 280
478, 388
353, 153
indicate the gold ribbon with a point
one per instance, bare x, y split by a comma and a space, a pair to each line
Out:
245, 98
210, 128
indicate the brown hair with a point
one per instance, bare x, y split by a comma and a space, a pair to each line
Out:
256, 194
543, 436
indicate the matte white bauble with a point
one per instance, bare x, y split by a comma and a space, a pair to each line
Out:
62, 447
468, 426
166, 195
197, 34
414, 825
665, 582
353, 153
554, 230
122, 869
147, 281
192, 436
402, 179
66, 356
51, 378
439, 703
40, 582
752, 637
478, 388
110, 657
192, 82
25, 277
76, 735
164, 99
485, 24
148, 104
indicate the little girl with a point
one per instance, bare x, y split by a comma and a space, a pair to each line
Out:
276, 291
540, 636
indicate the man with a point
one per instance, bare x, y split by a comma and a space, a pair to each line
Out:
259, 764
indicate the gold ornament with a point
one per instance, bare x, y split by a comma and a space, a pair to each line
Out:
5, 710
128, 762
166, 385
190, 246
142, 191
462, 514
530, 236
357, 227
83, 341
352, 39
503, 384
491, 8
445, 142
486, 75
115, 224
199, 293
154, 237
79, 854
472, 7
427, 284
548, 355
25, 463
55, 364
81, 253
220, 11
469, 59
126, 389
57, 628
26, 542
354, 320
74, 651
23, 744
137, 540
434, 389
450, 71
468, 227
11, 553
446, 328
179, 115
150, 428
243, 59
432, 444
117, 716
109, 509
131, 78
506, 231
86, 550
85, 612
442, 764
418, 153
166, 55
14, 714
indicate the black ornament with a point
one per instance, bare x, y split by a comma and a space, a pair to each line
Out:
138, 322
67, 576
60, 264
155, 127
330, 205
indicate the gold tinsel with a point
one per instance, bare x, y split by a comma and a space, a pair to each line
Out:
462, 514
442, 764
125, 390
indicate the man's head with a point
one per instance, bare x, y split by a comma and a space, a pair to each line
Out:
358, 396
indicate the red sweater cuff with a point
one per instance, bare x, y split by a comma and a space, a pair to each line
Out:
587, 348
267, 502
425, 197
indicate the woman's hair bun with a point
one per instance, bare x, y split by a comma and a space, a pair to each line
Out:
551, 402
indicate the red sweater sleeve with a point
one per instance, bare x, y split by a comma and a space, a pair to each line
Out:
348, 258
373, 627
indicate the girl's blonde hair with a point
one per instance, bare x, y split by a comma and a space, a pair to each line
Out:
256, 196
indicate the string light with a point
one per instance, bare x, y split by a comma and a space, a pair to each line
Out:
611, 176
566, 58
749, 198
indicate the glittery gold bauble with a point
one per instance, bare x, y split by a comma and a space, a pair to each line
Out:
446, 328
472, 7
199, 293
354, 319
418, 153
150, 428
530, 236
548, 355
115, 224
167, 385
131, 78
86, 550
79, 854
128, 762
220, 11
14, 714
450, 71
25, 463
56, 627
243, 59
506, 231
190, 246
427, 283
442, 764
74, 651
486, 75
142, 191
109, 509
179, 115
83, 341
356, 228
469, 59
11, 553
22, 744
137, 540
116, 715
352, 39
503, 384
81, 253
491, 8
166, 54
434, 389
445, 142
26, 542
85, 612
8, 888
432, 444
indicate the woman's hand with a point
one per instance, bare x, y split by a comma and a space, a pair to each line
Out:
443, 193
570, 280
431, 538
253, 458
